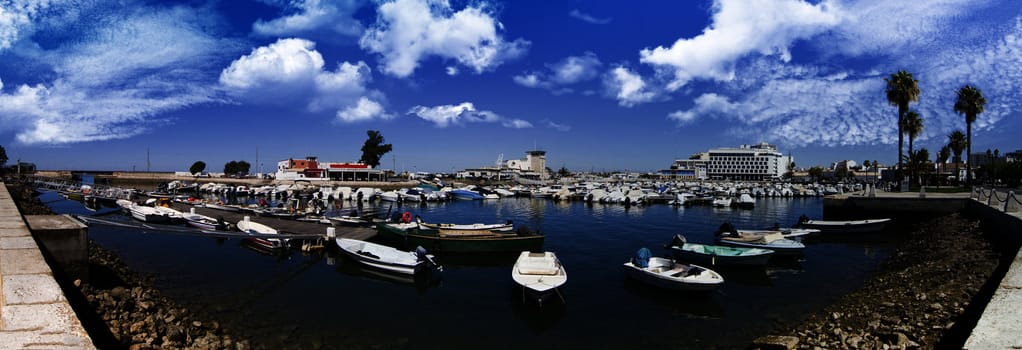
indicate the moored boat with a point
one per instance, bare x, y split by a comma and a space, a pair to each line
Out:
466, 229
539, 274
206, 222
248, 226
667, 273
851, 226
465, 194
718, 255
386, 258
410, 235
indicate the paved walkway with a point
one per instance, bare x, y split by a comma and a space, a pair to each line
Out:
998, 328
34, 314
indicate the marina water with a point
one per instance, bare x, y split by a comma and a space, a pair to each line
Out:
310, 300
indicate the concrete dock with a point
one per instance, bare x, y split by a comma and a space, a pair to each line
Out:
34, 313
283, 225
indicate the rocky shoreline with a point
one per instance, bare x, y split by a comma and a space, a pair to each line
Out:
129, 304
915, 299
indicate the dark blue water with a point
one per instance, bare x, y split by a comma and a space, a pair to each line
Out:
300, 301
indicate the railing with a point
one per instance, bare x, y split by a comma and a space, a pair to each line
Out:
1005, 200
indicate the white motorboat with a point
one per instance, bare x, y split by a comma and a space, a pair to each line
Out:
718, 255
722, 202
774, 241
539, 274
248, 226
466, 229
386, 258
205, 222
853, 226
745, 201
667, 273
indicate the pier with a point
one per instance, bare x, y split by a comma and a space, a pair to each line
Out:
34, 312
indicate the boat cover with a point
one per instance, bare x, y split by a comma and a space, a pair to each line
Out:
641, 258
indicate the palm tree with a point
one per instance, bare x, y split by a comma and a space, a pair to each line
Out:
902, 89
970, 103
912, 125
942, 157
956, 141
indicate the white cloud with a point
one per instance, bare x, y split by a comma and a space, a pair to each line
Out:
627, 87
705, 104
291, 70
587, 17
118, 73
445, 115
451, 70
568, 71
322, 19
409, 31
364, 110
557, 126
741, 27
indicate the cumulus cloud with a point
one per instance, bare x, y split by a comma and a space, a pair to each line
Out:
585, 17
738, 28
320, 19
445, 115
292, 70
556, 126
119, 73
627, 87
705, 104
408, 31
568, 71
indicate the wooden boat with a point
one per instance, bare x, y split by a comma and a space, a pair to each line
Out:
773, 241
788, 233
667, 273
248, 226
466, 229
717, 255
853, 226
386, 258
539, 274
410, 235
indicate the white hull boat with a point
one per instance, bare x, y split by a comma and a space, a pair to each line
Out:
667, 273
249, 226
539, 274
773, 241
853, 226
385, 258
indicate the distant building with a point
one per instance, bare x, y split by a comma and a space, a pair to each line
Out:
533, 166
312, 169
748, 162
22, 168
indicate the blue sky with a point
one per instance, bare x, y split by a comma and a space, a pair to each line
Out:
600, 85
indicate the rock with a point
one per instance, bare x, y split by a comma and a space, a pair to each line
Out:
775, 342
196, 324
936, 306
77, 283
136, 327
117, 292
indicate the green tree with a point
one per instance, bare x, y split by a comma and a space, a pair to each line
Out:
919, 162
563, 172
197, 167
956, 142
374, 148
3, 159
244, 167
970, 103
942, 156
816, 173
902, 89
231, 168
912, 125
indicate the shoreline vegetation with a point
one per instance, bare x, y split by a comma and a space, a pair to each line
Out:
924, 296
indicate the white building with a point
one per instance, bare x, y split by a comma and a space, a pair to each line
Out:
747, 162
533, 166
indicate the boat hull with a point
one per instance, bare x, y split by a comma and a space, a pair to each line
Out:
359, 251
781, 247
721, 255
706, 280
859, 226
434, 242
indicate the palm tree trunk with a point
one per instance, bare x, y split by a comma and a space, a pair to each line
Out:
902, 108
968, 152
911, 166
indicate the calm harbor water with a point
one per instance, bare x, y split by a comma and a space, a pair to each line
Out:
301, 301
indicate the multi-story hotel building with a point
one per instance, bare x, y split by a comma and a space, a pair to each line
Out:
747, 162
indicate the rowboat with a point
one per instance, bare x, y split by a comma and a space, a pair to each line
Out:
853, 226
788, 233
410, 235
466, 229
539, 274
667, 273
386, 258
718, 255
773, 241
248, 226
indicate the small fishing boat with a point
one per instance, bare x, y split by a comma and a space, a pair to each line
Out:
745, 201
248, 226
204, 222
539, 274
410, 235
466, 229
718, 255
788, 233
148, 214
852, 226
386, 258
667, 273
722, 202
773, 241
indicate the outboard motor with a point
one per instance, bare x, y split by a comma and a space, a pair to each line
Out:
525, 231
221, 224
422, 255
726, 229
641, 258
801, 220
677, 241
